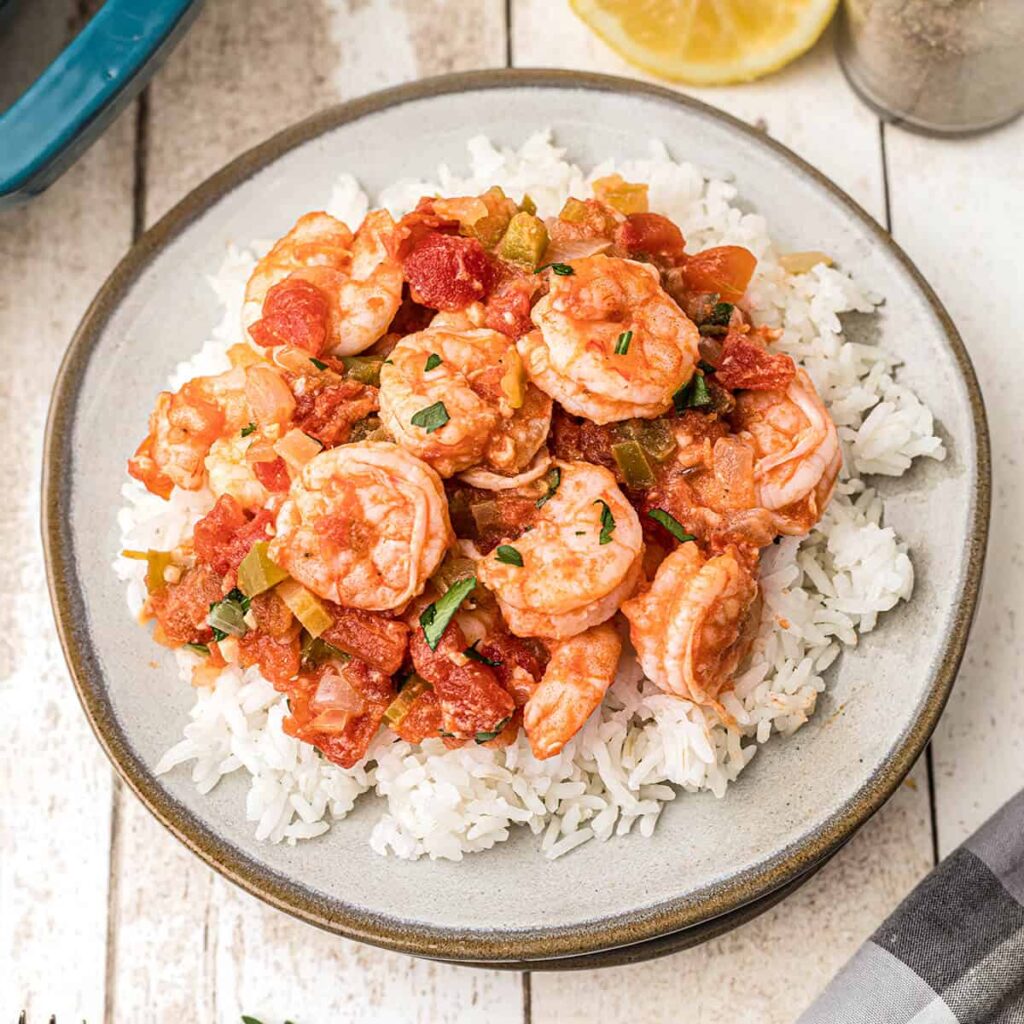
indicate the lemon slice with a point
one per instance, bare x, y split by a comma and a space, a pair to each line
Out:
707, 42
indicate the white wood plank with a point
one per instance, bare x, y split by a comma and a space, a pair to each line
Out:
957, 211
190, 946
55, 784
768, 970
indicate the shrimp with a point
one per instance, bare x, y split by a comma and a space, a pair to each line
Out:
580, 561
610, 343
577, 677
694, 623
184, 426
490, 416
356, 286
364, 525
797, 456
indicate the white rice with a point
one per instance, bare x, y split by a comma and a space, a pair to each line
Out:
643, 747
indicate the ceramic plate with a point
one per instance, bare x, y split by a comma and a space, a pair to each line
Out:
798, 801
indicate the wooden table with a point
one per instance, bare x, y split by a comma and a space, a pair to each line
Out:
103, 916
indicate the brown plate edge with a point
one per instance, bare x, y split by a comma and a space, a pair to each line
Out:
630, 928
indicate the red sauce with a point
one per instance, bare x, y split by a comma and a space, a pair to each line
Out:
295, 313
448, 272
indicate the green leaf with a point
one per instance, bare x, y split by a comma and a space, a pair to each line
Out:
474, 655
721, 314
561, 269
246, 1019
436, 616
250, 429
433, 361
693, 395
484, 737
318, 363
554, 478
607, 523
659, 515
622, 345
432, 418
508, 555
200, 649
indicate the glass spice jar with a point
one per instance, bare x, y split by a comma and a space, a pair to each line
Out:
946, 67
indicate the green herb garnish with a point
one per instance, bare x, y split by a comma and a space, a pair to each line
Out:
561, 269
250, 429
318, 363
246, 1019
474, 655
484, 737
433, 361
200, 649
622, 345
692, 395
554, 478
607, 523
446, 735
509, 555
432, 418
435, 617
659, 515
705, 366
227, 616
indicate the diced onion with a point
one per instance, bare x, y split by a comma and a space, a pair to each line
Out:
331, 721
336, 693
297, 448
801, 262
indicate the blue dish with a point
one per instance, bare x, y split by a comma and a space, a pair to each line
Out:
67, 108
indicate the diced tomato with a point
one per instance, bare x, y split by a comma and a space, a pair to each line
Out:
747, 364
578, 440
508, 308
348, 743
449, 272
370, 636
272, 614
277, 657
181, 608
520, 663
273, 475
726, 269
416, 225
295, 313
472, 700
650, 234
422, 720
223, 537
143, 467
327, 412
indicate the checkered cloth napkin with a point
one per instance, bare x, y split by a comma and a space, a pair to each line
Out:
953, 952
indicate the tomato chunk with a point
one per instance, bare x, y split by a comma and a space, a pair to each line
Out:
181, 608
726, 269
327, 411
650, 234
747, 364
449, 272
223, 536
422, 720
277, 657
472, 700
295, 312
508, 308
374, 638
273, 475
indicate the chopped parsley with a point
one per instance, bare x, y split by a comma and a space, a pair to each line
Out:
509, 555
246, 1019
432, 363
622, 345
659, 515
250, 429
607, 523
435, 617
692, 395
706, 366
318, 363
721, 314
484, 737
227, 616
554, 478
474, 655
432, 418
561, 269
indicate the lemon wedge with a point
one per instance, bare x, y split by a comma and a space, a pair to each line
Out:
707, 42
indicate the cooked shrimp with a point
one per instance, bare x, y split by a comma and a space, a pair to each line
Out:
229, 473
580, 561
577, 677
364, 525
610, 343
358, 281
796, 449
489, 415
183, 427
693, 625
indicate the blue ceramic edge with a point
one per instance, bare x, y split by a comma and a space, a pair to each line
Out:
78, 95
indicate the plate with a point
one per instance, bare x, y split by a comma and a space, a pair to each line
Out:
803, 796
